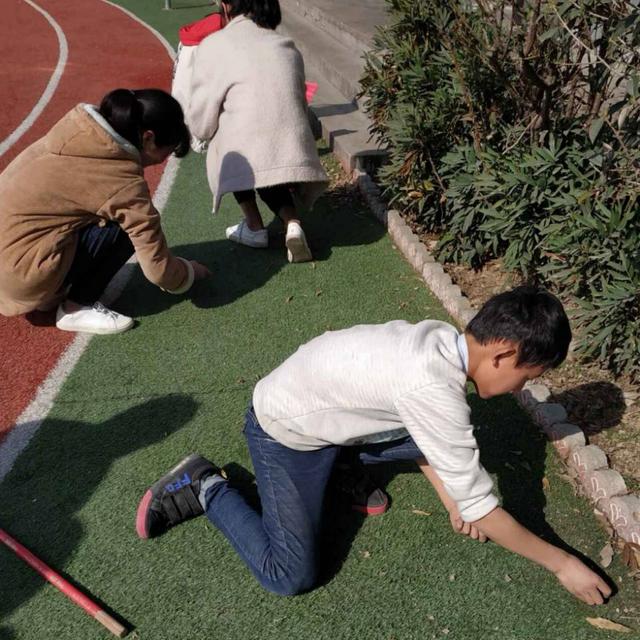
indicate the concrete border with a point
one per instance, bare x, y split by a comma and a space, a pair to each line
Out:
588, 465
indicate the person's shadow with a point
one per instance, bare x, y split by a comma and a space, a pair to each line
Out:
594, 406
514, 449
51, 482
339, 218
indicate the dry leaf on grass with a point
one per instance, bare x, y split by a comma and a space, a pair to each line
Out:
572, 478
631, 555
419, 512
609, 625
546, 485
604, 522
606, 555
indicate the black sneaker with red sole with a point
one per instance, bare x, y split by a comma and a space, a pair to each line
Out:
174, 498
363, 494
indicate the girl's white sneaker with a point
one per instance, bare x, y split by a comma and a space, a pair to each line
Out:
96, 319
297, 247
241, 234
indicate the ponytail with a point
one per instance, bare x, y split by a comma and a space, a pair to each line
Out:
131, 113
265, 13
123, 112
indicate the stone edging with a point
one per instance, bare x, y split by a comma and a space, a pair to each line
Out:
587, 464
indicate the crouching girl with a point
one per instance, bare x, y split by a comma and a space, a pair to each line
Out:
74, 207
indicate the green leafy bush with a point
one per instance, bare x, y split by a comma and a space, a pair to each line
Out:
513, 130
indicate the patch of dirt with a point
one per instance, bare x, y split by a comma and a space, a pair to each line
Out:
606, 408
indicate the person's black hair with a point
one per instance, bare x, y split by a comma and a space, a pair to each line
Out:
530, 317
265, 13
131, 113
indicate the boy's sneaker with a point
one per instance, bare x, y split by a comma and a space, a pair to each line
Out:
297, 247
174, 498
365, 497
241, 234
96, 319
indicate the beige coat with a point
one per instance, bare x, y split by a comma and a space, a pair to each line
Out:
82, 172
248, 98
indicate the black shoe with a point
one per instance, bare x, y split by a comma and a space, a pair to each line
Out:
174, 498
363, 494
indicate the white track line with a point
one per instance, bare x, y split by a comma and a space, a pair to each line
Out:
52, 85
167, 45
33, 416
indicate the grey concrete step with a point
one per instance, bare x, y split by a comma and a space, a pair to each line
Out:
343, 126
351, 23
337, 63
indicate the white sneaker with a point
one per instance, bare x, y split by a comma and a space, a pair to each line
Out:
297, 247
241, 234
95, 319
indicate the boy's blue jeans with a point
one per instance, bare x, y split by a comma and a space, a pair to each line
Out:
279, 545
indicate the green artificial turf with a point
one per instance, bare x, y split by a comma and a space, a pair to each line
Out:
180, 382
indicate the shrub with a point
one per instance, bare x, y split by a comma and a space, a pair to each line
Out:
513, 130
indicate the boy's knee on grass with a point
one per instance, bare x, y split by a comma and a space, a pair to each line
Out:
290, 585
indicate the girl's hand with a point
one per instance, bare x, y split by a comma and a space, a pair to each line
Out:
199, 270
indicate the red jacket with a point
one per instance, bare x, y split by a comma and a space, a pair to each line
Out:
193, 33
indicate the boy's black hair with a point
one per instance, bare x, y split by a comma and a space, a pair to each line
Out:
131, 113
265, 13
532, 318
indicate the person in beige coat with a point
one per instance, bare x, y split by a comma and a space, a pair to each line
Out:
74, 206
247, 98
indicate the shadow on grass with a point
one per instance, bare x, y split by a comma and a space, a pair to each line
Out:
57, 475
595, 406
238, 270
511, 448
514, 449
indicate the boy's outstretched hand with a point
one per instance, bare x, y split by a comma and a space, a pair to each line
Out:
504, 530
583, 583
573, 575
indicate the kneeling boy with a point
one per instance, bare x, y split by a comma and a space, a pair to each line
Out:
395, 391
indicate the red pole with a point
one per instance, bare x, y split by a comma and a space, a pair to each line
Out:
63, 585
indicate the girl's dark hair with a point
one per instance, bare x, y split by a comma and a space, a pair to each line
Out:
532, 318
131, 113
265, 13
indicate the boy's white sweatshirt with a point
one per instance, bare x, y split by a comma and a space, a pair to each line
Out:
369, 383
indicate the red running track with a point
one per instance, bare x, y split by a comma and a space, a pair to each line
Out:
27, 64
107, 50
